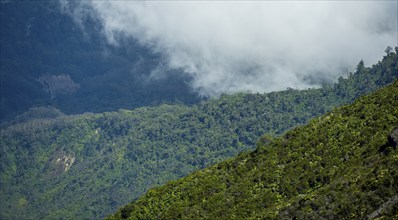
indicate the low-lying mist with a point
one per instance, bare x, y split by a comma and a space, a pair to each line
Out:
257, 46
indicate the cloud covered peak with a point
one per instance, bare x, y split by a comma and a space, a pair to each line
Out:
230, 46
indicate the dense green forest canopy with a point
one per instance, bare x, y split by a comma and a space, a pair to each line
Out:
85, 166
342, 165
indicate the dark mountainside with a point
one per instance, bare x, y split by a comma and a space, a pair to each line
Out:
46, 59
85, 166
342, 165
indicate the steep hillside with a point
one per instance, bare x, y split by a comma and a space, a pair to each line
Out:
46, 58
85, 166
342, 165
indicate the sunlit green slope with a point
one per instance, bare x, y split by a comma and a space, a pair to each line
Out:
343, 165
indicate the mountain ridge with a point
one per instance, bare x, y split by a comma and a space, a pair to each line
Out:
84, 166
54, 61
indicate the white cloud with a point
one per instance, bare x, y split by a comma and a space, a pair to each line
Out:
229, 46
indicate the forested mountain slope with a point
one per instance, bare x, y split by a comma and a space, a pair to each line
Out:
46, 58
342, 165
85, 166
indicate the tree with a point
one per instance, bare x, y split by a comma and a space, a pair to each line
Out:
360, 66
388, 50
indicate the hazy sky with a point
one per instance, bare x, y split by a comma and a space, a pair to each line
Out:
229, 46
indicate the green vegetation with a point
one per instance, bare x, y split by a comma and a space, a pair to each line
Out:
339, 166
85, 166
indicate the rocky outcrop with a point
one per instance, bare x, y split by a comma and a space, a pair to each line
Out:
56, 85
58, 164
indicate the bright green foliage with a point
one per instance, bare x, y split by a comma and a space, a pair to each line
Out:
85, 166
339, 166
